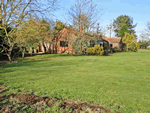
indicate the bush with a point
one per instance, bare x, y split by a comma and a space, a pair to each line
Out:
98, 50
89, 51
115, 49
102, 51
80, 45
134, 47
125, 49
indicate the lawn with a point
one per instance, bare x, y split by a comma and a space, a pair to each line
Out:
121, 79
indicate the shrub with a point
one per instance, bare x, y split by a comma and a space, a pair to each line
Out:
115, 49
134, 47
98, 50
89, 51
80, 45
102, 51
125, 49
137, 45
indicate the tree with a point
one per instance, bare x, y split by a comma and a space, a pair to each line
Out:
124, 19
110, 28
14, 12
146, 35
147, 29
83, 15
123, 30
79, 42
31, 34
58, 27
2, 35
144, 40
98, 29
27, 36
128, 39
44, 32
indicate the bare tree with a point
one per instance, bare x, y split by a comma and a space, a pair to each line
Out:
147, 31
84, 14
111, 27
144, 37
14, 12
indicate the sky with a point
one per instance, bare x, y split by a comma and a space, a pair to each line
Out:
139, 10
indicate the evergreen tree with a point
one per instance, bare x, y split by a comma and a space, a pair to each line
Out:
124, 19
123, 30
59, 26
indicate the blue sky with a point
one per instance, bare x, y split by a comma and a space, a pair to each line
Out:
138, 9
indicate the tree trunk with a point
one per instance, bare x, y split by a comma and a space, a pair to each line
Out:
9, 58
44, 48
23, 53
127, 47
30, 51
110, 33
34, 50
9, 54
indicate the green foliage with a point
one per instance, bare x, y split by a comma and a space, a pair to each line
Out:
130, 44
122, 31
83, 41
144, 44
89, 51
31, 34
102, 51
59, 26
80, 45
125, 48
115, 49
134, 47
2, 36
121, 20
98, 50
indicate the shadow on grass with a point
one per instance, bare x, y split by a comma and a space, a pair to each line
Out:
26, 63
4, 57
29, 62
59, 55
8, 68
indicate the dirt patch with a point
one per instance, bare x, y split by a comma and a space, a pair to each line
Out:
37, 103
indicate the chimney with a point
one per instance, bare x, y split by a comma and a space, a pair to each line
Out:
80, 27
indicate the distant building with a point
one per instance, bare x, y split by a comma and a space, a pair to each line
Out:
115, 42
61, 42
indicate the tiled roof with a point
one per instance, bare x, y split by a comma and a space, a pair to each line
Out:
66, 32
104, 38
114, 40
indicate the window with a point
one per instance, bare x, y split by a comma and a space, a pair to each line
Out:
63, 43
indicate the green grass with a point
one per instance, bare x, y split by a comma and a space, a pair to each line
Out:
121, 79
